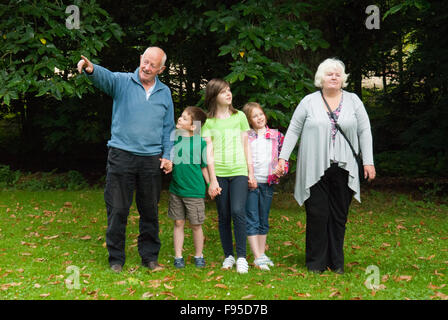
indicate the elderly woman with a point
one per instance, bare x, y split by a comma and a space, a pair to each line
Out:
327, 172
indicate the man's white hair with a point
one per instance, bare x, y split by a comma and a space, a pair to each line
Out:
163, 57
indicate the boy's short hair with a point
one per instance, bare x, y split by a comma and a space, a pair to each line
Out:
196, 114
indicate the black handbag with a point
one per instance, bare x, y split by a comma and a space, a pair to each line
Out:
358, 156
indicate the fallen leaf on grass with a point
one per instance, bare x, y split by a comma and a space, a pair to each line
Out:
44, 295
94, 292
334, 294
440, 295
166, 293
168, 278
87, 237
403, 278
51, 237
432, 286
147, 295
7, 285
374, 287
303, 295
250, 296
428, 258
168, 286
131, 291
154, 285
220, 285
351, 264
218, 278
31, 245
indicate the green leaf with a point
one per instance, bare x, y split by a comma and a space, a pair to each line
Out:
393, 10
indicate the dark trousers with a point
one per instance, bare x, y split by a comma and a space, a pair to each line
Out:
326, 216
231, 205
126, 173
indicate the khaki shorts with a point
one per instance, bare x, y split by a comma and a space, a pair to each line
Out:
181, 208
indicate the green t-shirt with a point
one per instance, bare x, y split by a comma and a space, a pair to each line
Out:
228, 151
190, 155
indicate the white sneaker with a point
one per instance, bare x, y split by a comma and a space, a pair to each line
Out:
242, 266
261, 264
267, 260
228, 262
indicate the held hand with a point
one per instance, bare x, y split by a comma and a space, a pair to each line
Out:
214, 189
280, 169
369, 172
166, 165
252, 183
85, 63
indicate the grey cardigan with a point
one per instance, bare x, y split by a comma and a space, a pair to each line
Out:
312, 125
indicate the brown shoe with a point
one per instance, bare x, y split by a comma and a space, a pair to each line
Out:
116, 268
154, 266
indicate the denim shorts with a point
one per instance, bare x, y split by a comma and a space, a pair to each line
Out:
258, 205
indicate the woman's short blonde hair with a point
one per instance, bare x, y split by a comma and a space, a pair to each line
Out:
330, 64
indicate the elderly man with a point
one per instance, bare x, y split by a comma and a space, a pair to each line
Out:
139, 149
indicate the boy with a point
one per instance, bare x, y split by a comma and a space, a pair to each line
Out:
187, 188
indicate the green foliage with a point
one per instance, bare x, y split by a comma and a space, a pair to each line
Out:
254, 44
415, 119
74, 124
39, 53
40, 181
8, 177
192, 49
263, 38
404, 5
409, 164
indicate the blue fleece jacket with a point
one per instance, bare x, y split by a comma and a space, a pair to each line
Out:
140, 126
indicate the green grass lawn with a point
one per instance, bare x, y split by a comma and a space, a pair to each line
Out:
49, 238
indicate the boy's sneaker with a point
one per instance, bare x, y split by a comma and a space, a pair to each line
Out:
267, 260
199, 262
179, 263
228, 262
261, 264
242, 266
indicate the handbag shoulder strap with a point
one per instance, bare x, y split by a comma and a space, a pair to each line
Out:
337, 125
